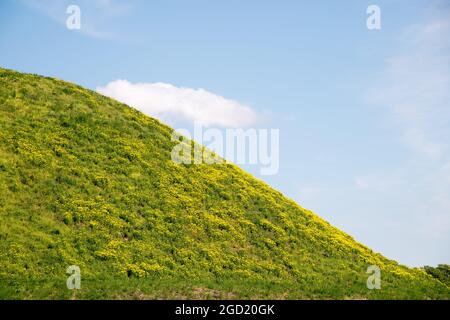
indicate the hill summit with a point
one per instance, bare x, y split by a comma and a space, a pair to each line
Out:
87, 181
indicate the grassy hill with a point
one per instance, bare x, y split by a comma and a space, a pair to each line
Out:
88, 181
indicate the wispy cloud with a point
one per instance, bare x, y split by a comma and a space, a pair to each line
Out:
415, 87
414, 90
196, 105
94, 14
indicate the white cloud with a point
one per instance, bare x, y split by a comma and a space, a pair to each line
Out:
168, 101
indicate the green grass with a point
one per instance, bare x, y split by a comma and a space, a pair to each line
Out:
88, 181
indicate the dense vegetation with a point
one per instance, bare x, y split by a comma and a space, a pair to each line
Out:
88, 181
441, 272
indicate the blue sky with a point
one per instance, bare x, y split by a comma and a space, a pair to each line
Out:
364, 115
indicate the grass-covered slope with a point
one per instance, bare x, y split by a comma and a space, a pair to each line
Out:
88, 181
